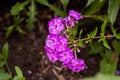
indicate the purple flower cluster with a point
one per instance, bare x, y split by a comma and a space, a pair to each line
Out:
57, 48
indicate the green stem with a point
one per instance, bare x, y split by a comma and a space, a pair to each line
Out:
7, 67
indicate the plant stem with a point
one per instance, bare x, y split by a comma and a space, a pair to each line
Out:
7, 66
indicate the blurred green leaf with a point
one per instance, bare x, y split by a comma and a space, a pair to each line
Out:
93, 33
9, 30
116, 46
96, 48
20, 30
65, 3
103, 26
105, 43
89, 2
5, 50
113, 7
80, 33
108, 66
57, 11
2, 63
113, 30
32, 15
118, 36
93, 7
18, 7
19, 72
101, 76
4, 76
43, 2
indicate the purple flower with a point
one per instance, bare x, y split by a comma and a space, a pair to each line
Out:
52, 55
76, 65
61, 44
117, 72
65, 56
56, 25
69, 21
75, 15
51, 41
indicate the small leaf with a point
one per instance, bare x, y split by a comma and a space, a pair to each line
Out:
94, 7
43, 2
118, 36
80, 33
22, 32
57, 11
113, 7
31, 14
4, 76
89, 2
105, 43
65, 3
18, 7
9, 31
93, 33
19, 72
113, 30
5, 50
107, 67
2, 64
116, 46
103, 26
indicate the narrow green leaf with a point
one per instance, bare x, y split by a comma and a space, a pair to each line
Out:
105, 43
113, 30
57, 11
2, 63
9, 31
65, 3
94, 7
80, 33
5, 50
4, 76
103, 26
113, 7
18, 7
93, 33
116, 46
32, 15
19, 72
20, 30
89, 2
43, 2
118, 36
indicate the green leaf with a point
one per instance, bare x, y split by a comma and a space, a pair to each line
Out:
5, 51
101, 76
116, 46
19, 72
31, 14
18, 7
93, 33
2, 63
96, 48
58, 11
4, 76
80, 33
43, 2
113, 30
9, 31
89, 2
21, 31
108, 67
103, 26
118, 36
65, 3
113, 7
94, 7
105, 43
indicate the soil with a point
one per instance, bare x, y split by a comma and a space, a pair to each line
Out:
28, 53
